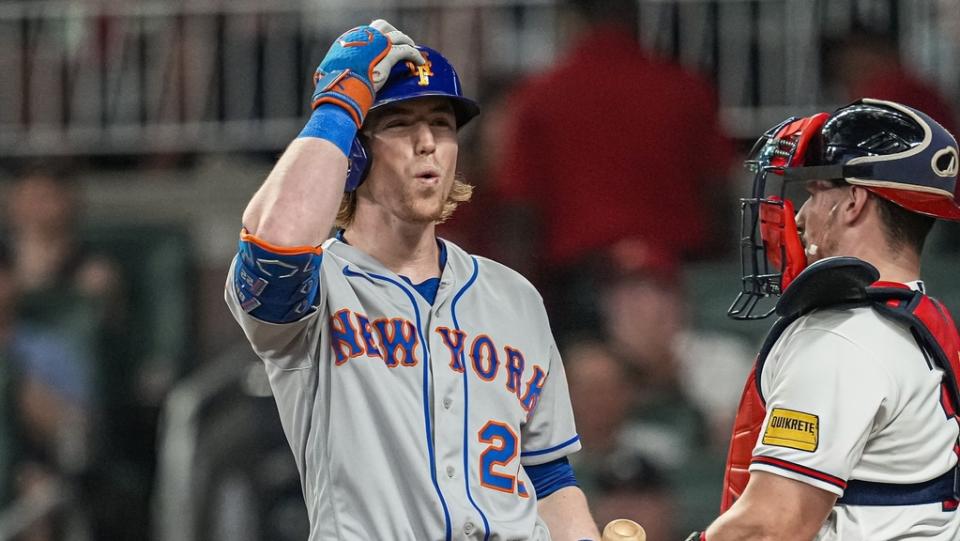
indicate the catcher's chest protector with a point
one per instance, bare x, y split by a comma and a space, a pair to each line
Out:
933, 327
746, 430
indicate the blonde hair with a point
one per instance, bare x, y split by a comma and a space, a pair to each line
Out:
460, 192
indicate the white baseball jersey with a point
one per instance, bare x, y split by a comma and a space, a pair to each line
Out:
411, 421
850, 395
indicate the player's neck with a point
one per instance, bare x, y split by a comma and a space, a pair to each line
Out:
867, 240
901, 265
898, 269
406, 249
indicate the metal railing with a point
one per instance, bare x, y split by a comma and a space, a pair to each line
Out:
177, 501
155, 76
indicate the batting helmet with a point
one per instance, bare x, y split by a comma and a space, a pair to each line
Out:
895, 151
408, 81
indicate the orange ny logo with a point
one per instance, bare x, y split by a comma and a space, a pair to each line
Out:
423, 72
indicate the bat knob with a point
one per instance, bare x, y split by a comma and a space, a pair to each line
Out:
624, 530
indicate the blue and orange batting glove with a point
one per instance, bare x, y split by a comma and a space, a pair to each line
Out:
358, 64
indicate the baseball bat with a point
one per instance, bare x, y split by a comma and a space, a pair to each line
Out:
624, 530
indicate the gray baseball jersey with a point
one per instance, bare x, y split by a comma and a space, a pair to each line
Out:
412, 421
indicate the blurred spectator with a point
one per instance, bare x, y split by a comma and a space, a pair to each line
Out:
629, 487
866, 63
600, 415
610, 143
66, 284
652, 386
46, 395
645, 320
619, 481
62, 285
78, 294
42, 218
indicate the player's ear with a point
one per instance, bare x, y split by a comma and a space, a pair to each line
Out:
853, 204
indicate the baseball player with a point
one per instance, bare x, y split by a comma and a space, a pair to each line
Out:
847, 428
419, 386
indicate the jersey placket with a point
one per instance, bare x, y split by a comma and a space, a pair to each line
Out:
451, 405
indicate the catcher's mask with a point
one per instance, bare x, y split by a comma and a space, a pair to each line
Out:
896, 152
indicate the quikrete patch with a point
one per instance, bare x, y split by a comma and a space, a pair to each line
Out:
793, 429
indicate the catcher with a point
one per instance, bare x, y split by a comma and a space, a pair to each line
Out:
847, 428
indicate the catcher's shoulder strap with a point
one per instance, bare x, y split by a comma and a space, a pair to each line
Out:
936, 335
932, 327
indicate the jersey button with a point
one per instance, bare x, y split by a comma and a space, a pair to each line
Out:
447, 402
451, 472
468, 528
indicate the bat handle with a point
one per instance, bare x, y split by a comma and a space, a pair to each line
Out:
623, 529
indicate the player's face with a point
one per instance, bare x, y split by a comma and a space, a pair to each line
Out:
817, 219
414, 149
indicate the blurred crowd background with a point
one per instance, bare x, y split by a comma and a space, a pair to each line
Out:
607, 166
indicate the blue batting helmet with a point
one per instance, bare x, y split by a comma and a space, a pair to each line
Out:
408, 81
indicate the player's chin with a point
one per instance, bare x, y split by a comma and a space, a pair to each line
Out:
426, 211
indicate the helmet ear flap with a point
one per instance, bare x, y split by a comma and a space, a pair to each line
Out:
358, 163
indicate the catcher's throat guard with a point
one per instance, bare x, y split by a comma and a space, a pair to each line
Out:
771, 253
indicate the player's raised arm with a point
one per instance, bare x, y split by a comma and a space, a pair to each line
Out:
298, 203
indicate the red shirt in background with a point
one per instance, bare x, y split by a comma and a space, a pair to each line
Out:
612, 144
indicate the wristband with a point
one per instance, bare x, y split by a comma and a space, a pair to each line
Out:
333, 123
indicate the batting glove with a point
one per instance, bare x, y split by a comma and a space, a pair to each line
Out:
358, 64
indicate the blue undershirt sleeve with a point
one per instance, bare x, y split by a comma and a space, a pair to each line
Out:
551, 477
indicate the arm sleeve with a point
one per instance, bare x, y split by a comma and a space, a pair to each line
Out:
282, 345
274, 283
550, 432
822, 396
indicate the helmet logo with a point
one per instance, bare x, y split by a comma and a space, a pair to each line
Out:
423, 72
944, 162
